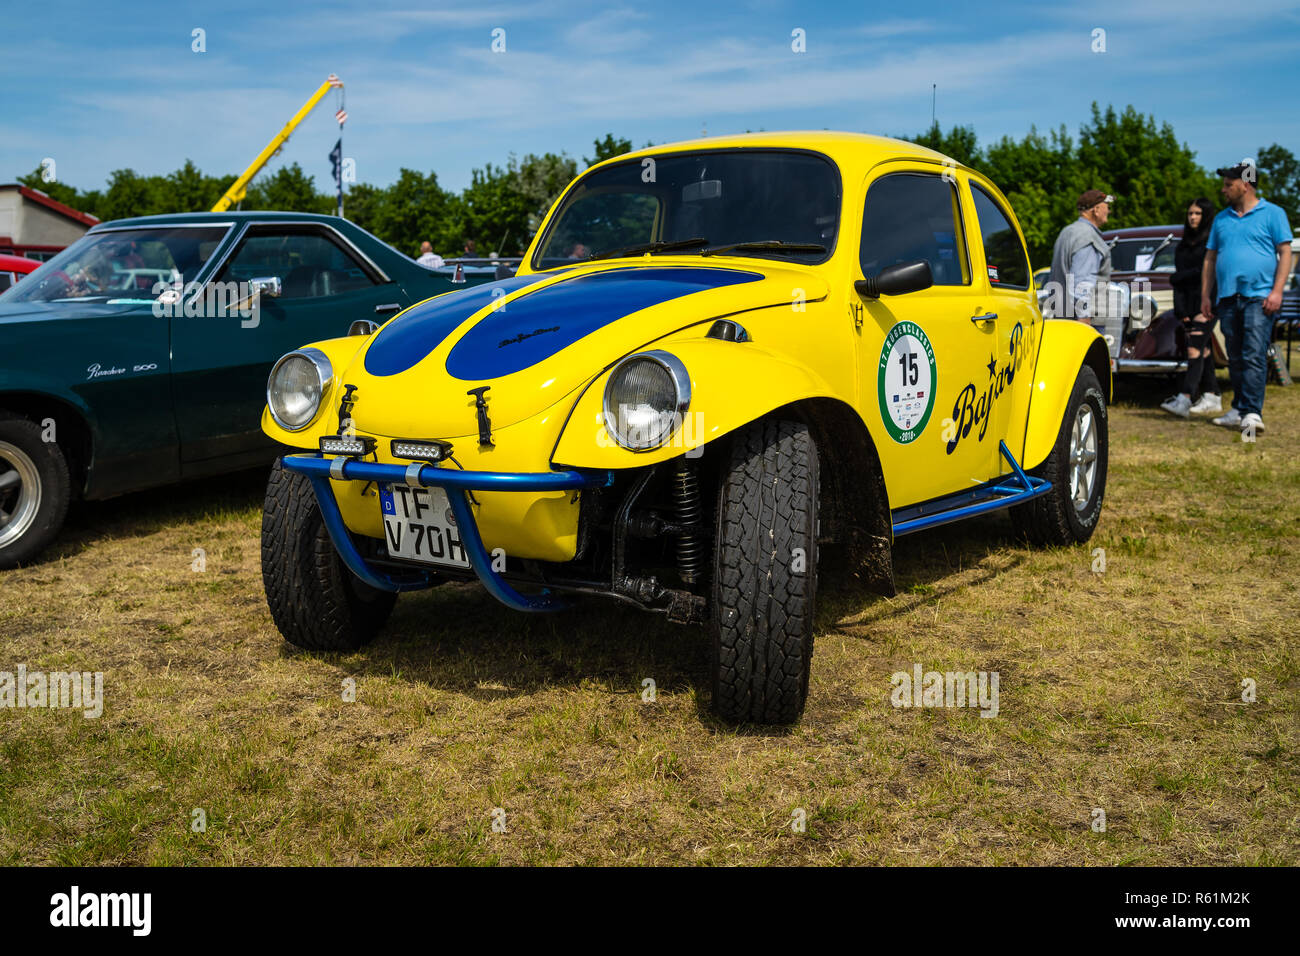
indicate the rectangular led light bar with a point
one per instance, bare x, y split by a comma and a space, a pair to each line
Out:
417, 450
339, 445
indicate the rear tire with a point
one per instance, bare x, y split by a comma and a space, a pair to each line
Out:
315, 601
1068, 514
765, 574
35, 489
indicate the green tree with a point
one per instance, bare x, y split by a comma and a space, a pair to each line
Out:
288, 189
1279, 180
608, 148
411, 210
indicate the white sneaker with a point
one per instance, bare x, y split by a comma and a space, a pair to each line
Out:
1252, 422
1231, 419
1206, 404
1179, 405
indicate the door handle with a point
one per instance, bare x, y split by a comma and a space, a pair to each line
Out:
389, 307
986, 317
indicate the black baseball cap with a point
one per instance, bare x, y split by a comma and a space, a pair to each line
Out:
1242, 170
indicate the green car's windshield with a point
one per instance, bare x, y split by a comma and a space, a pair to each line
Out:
718, 198
120, 264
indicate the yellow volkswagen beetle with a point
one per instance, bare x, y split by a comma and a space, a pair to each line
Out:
717, 358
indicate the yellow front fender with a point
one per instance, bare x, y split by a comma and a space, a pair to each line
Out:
1066, 347
732, 384
340, 352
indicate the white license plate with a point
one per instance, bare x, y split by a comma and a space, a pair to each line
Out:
419, 526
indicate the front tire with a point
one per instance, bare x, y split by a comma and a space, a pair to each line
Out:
315, 601
1069, 512
765, 574
35, 490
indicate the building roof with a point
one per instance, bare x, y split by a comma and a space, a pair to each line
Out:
36, 196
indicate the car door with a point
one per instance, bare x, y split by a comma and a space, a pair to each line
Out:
924, 362
221, 359
1008, 283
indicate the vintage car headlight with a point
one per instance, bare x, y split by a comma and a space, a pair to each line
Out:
1142, 309
645, 398
296, 387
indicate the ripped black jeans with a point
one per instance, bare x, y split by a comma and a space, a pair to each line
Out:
1200, 370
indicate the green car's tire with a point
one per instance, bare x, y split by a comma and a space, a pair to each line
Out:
315, 601
35, 490
1076, 467
765, 574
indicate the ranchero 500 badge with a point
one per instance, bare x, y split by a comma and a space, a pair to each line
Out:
907, 381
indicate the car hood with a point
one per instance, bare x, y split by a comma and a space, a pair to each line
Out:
535, 338
38, 311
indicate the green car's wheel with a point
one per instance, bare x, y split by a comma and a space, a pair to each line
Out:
35, 488
1076, 468
765, 574
315, 601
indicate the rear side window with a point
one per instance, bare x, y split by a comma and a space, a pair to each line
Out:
6, 280
309, 264
909, 216
1004, 254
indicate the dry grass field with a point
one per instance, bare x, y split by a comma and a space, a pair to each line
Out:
1119, 691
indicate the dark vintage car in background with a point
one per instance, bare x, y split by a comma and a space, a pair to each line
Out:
103, 390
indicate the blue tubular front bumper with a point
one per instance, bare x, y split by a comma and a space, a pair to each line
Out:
456, 484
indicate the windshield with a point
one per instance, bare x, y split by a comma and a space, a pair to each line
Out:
1140, 255
702, 201
121, 264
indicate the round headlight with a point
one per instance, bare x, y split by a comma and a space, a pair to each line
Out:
296, 387
645, 398
1142, 310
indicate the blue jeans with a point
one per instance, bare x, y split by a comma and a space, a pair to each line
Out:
1246, 330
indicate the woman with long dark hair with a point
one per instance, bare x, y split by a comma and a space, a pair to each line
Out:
1189, 255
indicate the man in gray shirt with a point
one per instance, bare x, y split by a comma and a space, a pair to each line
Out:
1080, 260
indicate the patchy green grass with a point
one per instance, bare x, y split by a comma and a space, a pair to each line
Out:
1119, 691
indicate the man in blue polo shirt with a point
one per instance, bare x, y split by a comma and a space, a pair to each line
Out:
1247, 258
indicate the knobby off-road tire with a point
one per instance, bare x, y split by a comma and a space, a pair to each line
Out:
35, 489
1068, 514
315, 601
765, 574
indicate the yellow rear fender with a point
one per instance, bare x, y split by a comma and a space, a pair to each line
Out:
732, 384
1066, 347
340, 352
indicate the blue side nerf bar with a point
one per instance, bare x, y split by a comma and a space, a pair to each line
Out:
1012, 489
456, 484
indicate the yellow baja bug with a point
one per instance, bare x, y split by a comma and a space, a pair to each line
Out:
717, 358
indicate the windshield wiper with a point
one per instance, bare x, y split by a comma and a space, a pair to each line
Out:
767, 245
657, 246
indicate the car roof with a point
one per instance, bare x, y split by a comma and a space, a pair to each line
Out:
849, 150
10, 263
219, 218
1142, 232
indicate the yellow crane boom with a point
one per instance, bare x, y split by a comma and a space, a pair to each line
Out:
239, 188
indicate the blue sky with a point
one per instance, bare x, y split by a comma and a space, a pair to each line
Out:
99, 86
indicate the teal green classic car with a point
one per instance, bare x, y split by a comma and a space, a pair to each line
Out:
139, 355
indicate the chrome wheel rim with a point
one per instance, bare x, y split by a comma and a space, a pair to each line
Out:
20, 493
1083, 457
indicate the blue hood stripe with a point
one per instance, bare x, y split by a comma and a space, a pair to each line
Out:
536, 326
405, 341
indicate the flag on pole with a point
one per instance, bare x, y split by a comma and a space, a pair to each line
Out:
341, 116
336, 162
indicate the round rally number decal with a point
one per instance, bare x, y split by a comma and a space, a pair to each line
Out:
907, 382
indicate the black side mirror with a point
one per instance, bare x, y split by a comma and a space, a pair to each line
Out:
897, 280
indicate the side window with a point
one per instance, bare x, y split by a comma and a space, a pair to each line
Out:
6, 280
310, 265
909, 216
1007, 265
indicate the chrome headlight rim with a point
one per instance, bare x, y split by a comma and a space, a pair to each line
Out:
324, 376
681, 380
